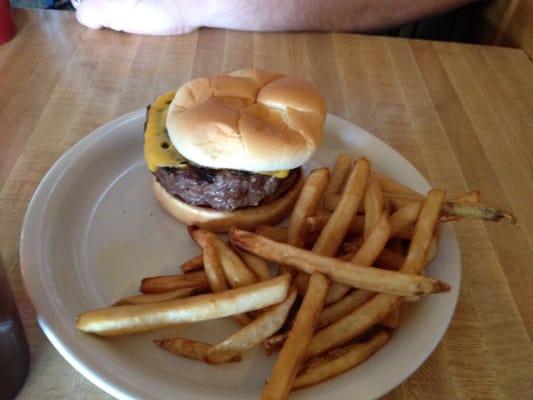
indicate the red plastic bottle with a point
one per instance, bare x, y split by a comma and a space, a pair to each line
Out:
14, 353
7, 23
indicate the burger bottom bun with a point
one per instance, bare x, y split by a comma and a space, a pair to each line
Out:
221, 220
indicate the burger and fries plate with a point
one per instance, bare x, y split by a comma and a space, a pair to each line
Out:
93, 230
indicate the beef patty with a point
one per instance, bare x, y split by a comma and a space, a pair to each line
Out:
223, 189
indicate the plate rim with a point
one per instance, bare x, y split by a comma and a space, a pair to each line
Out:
30, 255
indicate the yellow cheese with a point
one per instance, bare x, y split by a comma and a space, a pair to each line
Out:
158, 150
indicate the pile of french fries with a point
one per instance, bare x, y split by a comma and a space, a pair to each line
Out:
355, 249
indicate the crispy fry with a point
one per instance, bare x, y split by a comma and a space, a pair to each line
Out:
188, 348
276, 233
155, 297
256, 264
368, 278
292, 353
275, 343
424, 232
333, 233
465, 209
472, 197
338, 361
432, 249
357, 226
451, 209
194, 264
141, 318
347, 304
166, 283
369, 251
213, 268
215, 275
390, 185
374, 204
375, 242
339, 174
235, 270
377, 308
264, 326
306, 205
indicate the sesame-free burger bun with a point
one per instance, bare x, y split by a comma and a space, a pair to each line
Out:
222, 220
250, 120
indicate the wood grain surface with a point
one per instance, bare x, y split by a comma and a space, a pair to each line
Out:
462, 114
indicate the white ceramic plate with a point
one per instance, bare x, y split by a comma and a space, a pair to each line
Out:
93, 230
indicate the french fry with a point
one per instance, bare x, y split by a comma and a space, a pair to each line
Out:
404, 217
155, 297
368, 278
188, 348
215, 275
464, 209
275, 343
334, 312
329, 314
194, 264
235, 270
432, 249
276, 233
333, 233
256, 264
141, 318
292, 353
450, 208
306, 205
213, 268
377, 308
166, 283
338, 361
424, 232
374, 204
375, 242
357, 226
339, 174
472, 197
370, 249
337, 226
268, 323
390, 185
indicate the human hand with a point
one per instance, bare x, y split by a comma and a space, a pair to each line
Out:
148, 17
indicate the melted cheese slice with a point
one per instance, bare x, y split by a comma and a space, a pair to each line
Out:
158, 149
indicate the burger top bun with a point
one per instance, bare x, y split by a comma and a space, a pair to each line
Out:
249, 120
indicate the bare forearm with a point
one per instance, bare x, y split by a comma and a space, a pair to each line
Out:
317, 15
164, 17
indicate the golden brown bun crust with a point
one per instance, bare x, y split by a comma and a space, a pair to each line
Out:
250, 120
220, 221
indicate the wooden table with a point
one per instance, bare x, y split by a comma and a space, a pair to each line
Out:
462, 114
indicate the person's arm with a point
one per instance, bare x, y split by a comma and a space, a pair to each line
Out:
181, 16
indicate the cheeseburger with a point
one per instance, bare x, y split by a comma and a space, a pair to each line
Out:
227, 150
